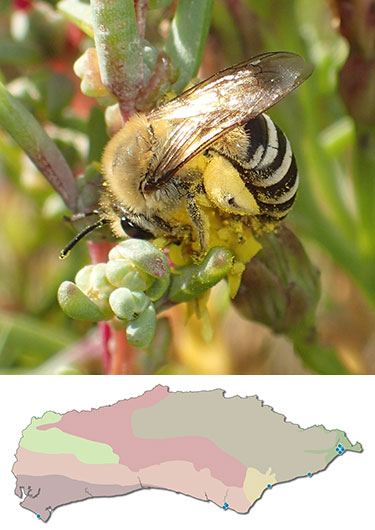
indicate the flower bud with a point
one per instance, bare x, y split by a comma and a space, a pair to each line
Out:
87, 69
113, 119
280, 287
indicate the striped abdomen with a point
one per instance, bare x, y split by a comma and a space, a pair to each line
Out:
270, 171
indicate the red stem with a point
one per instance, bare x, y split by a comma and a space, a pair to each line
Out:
118, 355
105, 335
99, 251
122, 354
99, 254
140, 7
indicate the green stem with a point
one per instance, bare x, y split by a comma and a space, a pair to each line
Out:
320, 169
315, 224
319, 358
364, 187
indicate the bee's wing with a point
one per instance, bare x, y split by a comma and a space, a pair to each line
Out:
227, 99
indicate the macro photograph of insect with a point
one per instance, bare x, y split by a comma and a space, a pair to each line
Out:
187, 187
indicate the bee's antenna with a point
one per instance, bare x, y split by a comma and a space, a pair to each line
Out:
65, 251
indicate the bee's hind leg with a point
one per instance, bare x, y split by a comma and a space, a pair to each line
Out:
199, 219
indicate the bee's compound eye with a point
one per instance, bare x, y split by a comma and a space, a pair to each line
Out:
133, 230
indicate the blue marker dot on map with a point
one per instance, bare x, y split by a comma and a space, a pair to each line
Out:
337, 449
309, 474
268, 485
38, 515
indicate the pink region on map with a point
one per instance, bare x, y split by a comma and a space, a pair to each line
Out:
103, 425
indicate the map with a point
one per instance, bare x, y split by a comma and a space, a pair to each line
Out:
228, 450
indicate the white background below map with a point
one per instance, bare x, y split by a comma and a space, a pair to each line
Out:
340, 497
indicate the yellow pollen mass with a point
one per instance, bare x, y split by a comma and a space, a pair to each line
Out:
226, 189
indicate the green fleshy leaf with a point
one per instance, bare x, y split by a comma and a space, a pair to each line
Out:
76, 304
154, 356
144, 255
27, 341
41, 26
68, 370
27, 132
122, 273
59, 93
119, 51
116, 270
79, 13
158, 288
4, 4
187, 38
128, 305
19, 54
99, 280
140, 331
83, 277
192, 280
122, 303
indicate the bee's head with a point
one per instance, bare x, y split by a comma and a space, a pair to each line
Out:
133, 229
128, 154
128, 159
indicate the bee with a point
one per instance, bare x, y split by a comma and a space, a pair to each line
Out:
210, 148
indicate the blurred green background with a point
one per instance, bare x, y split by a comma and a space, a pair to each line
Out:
329, 120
